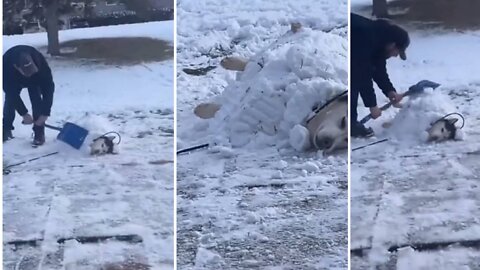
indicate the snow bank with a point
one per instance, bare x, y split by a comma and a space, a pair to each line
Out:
412, 121
252, 24
279, 88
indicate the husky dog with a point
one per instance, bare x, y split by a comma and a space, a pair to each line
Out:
328, 128
442, 130
103, 145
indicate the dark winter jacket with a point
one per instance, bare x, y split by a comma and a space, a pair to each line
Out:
368, 58
14, 81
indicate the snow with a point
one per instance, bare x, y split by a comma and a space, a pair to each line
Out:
262, 204
454, 258
408, 191
72, 194
302, 71
419, 112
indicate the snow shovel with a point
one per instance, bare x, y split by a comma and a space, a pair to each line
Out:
412, 90
71, 134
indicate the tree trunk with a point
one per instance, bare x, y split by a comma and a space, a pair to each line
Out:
51, 14
380, 8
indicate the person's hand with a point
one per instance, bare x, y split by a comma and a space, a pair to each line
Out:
395, 98
41, 120
375, 112
27, 119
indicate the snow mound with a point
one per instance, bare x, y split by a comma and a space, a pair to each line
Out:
97, 126
279, 87
418, 113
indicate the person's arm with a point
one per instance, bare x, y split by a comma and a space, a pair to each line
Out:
46, 84
380, 76
47, 98
13, 95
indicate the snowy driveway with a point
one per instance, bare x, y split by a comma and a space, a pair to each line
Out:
261, 211
426, 196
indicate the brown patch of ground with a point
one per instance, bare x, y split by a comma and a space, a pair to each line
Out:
119, 51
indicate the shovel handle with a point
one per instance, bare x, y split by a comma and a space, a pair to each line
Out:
413, 89
368, 117
53, 127
383, 108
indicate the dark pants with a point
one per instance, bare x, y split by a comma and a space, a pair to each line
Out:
9, 108
353, 106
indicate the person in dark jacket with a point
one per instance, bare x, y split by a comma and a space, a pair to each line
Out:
372, 42
25, 67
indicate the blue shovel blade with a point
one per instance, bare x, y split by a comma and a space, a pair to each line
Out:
73, 135
421, 85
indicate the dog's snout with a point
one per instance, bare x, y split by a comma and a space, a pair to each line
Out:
324, 142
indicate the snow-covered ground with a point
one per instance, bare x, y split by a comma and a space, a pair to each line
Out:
74, 195
406, 192
260, 204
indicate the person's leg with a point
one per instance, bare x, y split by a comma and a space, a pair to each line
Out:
356, 128
8, 114
353, 106
8, 118
36, 100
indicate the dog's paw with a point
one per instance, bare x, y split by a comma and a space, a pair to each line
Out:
234, 63
206, 110
295, 27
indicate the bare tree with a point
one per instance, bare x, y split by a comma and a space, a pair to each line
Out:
380, 8
45, 12
51, 16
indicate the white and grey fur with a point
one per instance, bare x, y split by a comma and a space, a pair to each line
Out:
328, 129
442, 130
103, 145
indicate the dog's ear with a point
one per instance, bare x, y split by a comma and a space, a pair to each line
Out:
111, 138
452, 121
343, 123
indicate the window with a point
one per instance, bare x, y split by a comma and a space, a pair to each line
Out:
111, 2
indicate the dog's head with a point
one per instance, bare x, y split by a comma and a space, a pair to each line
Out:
442, 130
328, 127
331, 135
102, 145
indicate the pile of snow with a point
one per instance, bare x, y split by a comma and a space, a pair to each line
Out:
97, 126
279, 87
418, 113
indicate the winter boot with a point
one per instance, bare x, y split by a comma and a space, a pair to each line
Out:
7, 135
38, 135
360, 131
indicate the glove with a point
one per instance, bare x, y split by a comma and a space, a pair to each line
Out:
27, 119
395, 98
